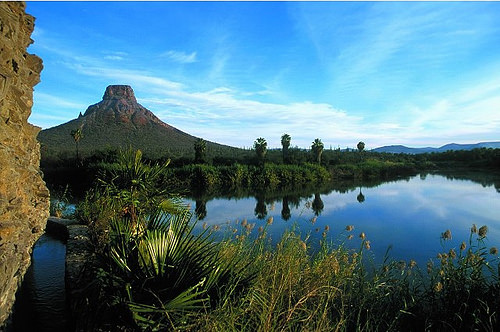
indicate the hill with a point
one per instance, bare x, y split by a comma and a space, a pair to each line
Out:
119, 121
444, 148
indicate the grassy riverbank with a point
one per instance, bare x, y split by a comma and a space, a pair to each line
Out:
154, 272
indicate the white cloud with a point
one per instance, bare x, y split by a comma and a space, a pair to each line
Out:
180, 57
221, 116
113, 57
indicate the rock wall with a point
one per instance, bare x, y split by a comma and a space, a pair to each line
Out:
24, 198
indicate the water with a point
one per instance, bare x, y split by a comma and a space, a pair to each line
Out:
407, 215
41, 300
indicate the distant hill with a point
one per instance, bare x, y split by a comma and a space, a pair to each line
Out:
119, 121
444, 148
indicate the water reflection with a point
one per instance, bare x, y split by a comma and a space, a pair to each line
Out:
260, 207
285, 210
317, 204
360, 197
201, 209
408, 214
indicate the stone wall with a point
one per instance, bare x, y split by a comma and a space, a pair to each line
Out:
24, 198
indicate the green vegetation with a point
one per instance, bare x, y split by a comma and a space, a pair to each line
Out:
154, 271
261, 168
268, 175
317, 150
97, 137
360, 146
260, 146
77, 136
285, 143
200, 151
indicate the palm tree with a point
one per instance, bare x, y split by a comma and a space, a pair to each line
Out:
361, 147
77, 136
317, 149
260, 146
285, 142
200, 150
168, 269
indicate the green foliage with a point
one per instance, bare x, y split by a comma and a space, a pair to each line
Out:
317, 150
77, 136
152, 267
164, 269
360, 146
260, 146
200, 151
267, 175
137, 186
285, 143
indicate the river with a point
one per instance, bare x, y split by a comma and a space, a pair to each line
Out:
407, 215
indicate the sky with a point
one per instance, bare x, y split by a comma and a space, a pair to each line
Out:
418, 74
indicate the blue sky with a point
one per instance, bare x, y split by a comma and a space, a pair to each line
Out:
418, 74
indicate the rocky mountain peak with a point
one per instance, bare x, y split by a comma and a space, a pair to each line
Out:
119, 105
114, 92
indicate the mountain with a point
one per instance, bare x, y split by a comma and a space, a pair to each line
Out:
444, 148
119, 121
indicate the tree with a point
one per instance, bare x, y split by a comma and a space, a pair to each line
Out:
77, 136
317, 149
361, 147
200, 151
285, 142
260, 146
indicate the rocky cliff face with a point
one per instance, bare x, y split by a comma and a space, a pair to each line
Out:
119, 106
24, 198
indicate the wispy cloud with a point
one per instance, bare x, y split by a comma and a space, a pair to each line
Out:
132, 77
62, 109
180, 57
220, 115
57, 102
113, 57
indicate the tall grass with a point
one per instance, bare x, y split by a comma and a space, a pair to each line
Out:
336, 290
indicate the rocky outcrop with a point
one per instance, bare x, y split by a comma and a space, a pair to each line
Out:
24, 198
119, 121
120, 106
